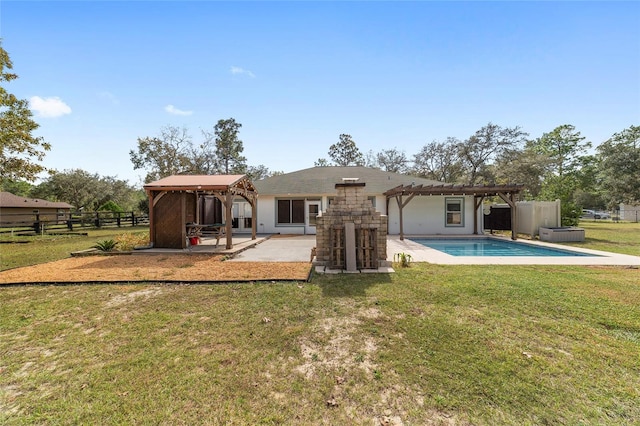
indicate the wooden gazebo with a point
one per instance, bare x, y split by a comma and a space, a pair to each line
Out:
405, 193
177, 202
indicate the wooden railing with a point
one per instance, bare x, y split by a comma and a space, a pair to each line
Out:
43, 222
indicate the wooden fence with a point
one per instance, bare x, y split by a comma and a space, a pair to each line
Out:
47, 222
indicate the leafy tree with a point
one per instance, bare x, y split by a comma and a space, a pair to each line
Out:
481, 149
525, 166
392, 160
345, 152
86, 191
165, 155
258, 172
229, 148
565, 149
439, 161
321, 162
110, 206
619, 167
16, 187
19, 149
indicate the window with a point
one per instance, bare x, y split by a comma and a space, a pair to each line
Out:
290, 212
454, 208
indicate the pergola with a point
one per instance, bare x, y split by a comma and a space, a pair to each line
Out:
405, 193
174, 202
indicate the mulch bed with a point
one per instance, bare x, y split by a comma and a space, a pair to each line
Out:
155, 268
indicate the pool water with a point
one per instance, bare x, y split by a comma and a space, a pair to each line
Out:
492, 247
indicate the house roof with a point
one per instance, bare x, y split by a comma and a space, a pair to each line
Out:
196, 182
8, 199
323, 180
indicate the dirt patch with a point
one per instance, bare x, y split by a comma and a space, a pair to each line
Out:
169, 268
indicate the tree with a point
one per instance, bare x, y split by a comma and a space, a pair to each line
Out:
525, 166
229, 148
19, 149
392, 160
165, 155
16, 187
259, 172
478, 151
86, 191
565, 150
439, 161
321, 162
345, 152
619, 167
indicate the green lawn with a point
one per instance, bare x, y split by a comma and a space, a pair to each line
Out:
623, 237
430, 344
33, 250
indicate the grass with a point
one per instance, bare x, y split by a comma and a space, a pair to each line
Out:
430, 344
33, 250
466, 344
623, 237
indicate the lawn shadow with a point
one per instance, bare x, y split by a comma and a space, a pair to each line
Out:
349, 285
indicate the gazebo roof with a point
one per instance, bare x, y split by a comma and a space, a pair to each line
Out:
235, 183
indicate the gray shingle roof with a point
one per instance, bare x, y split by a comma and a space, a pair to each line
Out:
322, 180
7, 199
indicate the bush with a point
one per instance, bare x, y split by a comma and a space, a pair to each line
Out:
128, 241
106, 245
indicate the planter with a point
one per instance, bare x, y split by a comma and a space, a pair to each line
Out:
561, 234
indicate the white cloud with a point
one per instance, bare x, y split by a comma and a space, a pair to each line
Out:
109, 96
238, 70
175, 111
49, 107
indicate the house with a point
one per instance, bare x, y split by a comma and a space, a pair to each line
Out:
289, 203
23, 211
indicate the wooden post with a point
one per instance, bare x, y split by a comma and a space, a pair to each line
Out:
183, 218
152, 229
514, 217
477, 204
228, 222
254, 217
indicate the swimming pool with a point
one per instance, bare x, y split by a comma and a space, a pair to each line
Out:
492, 247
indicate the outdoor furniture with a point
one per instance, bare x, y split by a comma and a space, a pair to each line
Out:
216, 230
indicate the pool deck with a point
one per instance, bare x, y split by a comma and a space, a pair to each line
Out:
297, 248
420, 253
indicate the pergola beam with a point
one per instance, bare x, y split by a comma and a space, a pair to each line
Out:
506, 192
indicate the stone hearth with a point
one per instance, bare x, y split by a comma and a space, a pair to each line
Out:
351, 235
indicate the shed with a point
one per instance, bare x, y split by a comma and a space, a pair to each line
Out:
179, 201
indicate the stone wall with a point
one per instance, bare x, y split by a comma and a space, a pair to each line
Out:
350, 205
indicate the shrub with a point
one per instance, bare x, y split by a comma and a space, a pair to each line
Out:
129, 240
106, 245
404, 259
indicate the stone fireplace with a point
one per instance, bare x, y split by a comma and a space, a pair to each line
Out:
351, 235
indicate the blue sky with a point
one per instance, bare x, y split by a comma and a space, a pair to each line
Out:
297, 74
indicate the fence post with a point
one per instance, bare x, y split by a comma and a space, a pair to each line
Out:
133, 219
118, 220
97, 220
37, 225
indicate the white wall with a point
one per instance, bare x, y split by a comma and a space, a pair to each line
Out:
422, 216
534, 214
425, 215
629, 212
